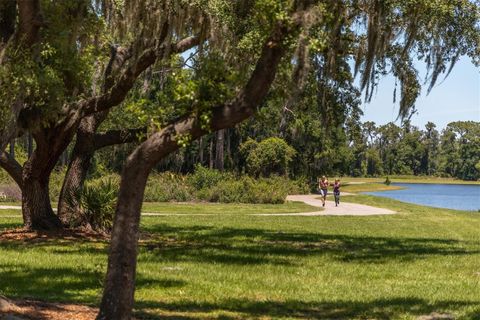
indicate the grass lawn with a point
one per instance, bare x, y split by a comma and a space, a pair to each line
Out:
228, 209
418, 261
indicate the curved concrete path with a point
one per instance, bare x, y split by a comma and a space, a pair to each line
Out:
344, 209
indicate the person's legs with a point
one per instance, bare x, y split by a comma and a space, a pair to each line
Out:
324, 196
321, 197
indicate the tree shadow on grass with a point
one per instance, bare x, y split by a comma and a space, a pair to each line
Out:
64, 284
239, 246
7, 224
257, 246
248, 246
295, 309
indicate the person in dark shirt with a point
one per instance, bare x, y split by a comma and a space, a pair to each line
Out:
336, 192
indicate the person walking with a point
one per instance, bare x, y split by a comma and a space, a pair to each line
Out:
323, 186
336, 192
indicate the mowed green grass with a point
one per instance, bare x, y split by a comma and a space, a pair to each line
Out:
228, 209
238, 266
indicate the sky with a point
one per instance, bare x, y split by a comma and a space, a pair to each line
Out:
457, 98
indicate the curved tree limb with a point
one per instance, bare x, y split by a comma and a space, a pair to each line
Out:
126, 81
13, 168
30, 21
113, 137
88, 141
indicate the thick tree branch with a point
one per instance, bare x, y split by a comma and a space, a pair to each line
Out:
230, 114
30, 21
113, 137
13, 168
126, 81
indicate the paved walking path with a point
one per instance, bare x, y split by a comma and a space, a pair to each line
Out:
344, 209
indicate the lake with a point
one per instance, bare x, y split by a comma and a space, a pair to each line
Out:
450, 196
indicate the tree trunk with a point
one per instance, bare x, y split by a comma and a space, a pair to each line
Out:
64, 158
210, 154
30, 145
69, 201
36, 208
219, 150
12, 148
200, 150
88, 141
69, 210
228, 148
118, 295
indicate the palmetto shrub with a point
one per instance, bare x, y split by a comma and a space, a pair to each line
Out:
98, 200
168, 186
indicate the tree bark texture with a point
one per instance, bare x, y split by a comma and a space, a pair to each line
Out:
13, 168
210, 153
200, 152
30, 145
69, 210
118, 297
12, 148
30, 21
88, 141
36, 208
69, 200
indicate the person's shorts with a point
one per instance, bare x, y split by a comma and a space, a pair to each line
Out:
323, 192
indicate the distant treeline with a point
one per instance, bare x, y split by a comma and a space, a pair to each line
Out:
354, 149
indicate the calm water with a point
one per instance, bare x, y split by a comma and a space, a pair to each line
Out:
451, 196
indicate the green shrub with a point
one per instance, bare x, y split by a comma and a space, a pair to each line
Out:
98, 202
229, 191
204, 178
245, 189
5, 177
167, 186
268, 191
270, 156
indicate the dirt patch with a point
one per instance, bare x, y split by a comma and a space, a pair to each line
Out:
437, 316
24, 235
29, 309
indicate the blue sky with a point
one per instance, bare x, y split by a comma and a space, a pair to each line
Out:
457, 98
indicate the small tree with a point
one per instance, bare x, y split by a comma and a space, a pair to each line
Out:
270, 156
